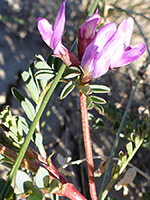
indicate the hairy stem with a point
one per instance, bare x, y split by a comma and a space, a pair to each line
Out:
88, 146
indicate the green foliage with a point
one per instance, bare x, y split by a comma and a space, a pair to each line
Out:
25, 185
42, 178
133, 129
11, 195
67, 90
21, 179
93, 101
86, 89
31, 83
97, 99
124, 159
99, 89
89, 103
71, 72
25, 104
13, 126
95, 123
129, 147
54, 185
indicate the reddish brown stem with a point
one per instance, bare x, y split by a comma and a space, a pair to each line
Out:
88, 146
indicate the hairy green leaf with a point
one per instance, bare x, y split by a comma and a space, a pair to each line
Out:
36, 194
89, 104
25, 103
99, 89
54, 184
42, 66
86, 89
97, 99
71, 72
31, 84
44, 74
21, 178
67, 89
42, 178
99, 109
10, 194
129, 147
39, 58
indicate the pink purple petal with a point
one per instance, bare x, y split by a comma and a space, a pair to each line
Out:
103, 35
126, 28
46, 30
58, 30
130, 56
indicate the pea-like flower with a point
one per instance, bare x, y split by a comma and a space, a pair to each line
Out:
52, 36
110, 48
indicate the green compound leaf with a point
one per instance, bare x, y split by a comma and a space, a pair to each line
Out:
56, 64
42, 65
38, 139
31, 84
25, 103
67, 89
115, 170
98, 100
10, 194
36, 194
89, 104
21, 179
99, 109
137, 140
13, 123
99, 89
42, 178
121, 154
24, 124
39, 58
86, 89
43, 83
71, 72
129, 147
98, 123
44, 74
50, 59
26, 186
122, 157
54, 184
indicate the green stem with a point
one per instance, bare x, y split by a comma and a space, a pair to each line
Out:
116, 141
112, 181
30, 133
93, 8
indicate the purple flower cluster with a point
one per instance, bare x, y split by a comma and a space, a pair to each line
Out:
97, 51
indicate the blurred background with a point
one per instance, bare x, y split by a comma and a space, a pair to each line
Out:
20, 41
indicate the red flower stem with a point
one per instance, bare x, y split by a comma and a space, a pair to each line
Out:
87, 145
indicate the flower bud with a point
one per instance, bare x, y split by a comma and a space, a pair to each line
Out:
87, 32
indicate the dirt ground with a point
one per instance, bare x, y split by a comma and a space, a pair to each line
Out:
20, 41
